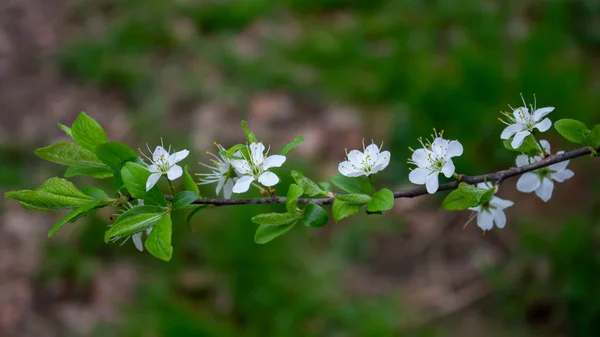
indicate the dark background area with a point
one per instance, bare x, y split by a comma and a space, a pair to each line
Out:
334, 71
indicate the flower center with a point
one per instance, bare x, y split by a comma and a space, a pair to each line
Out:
163, 163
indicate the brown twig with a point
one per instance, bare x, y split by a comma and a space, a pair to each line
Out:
499, 176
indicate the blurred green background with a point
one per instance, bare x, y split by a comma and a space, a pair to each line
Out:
334, 71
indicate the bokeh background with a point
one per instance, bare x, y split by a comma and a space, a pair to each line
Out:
334, 71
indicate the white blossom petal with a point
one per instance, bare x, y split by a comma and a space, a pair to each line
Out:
545, 190
541, 113
418, 176
153, 169
501, 203
485, 220
432, 184
137, 241
559, 166
528, 182
175, 172
257, 153
510, 131
448, 169
220, 184
152, 180
346, 168
371, 153
500, 218
159, 153
383, 159
268, 179
178, 156
357, 158
273, 161
455, 149
546, 146
243, 184
421, 157
522, 160
544, 125
241, 166
562, 175
227, 189
519, 138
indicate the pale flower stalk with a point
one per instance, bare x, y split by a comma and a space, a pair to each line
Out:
164, 163
370, 161
433, 158
491, 212
222, 173
255, 168
522, 123
541, 181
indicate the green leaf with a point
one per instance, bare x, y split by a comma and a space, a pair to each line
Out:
325, 186
134, 221
69, 154
249, 134
274, 219
343, 209
572, 130
87, 132
315, 216
383, 200
594, 137
95, 172
114, 154
158, 242
135, 177
189, 183
77, 214
529, 145
266, 233
183, 199
310, 188
232, 150
294, 192
197, 208
66, 129
359, 185
95, 193
292, 145
55, 193
467, 196
354, 198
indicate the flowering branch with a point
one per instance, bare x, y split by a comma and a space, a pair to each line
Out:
498, 177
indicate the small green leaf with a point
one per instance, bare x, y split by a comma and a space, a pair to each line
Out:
325, 186
457, 201
354, 198
274, 219
266, 233
383, 200
77, 214
594, 137
134, 221
315, 216
529, 145
249, 134
189, 183
232, 150
55, 193
95, 193
343, 209
69, 154
65, 129
359, 185
158, 242
572, 130
114, 154
88, 133
467, 196
94, 172
135, 177
294, 192
183, 199
310, 188
292, 145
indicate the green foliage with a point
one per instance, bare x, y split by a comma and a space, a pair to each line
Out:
383, 200
273, 225
134, 221
95, 192
275, 219
88, 133
54, 194
70, 154
467, 196
529, 146
294, 192
249, 135
158, 242
189, 183
342, 209
115, 154
572, 130
297, 141
94, 172
65, 129
183, 199
77, 214
315, 216
310, 188
135, 177
354, 198
358, 185
232, 150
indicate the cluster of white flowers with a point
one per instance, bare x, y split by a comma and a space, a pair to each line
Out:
365, 163
163, 162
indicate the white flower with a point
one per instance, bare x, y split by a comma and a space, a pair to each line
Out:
222, 173
163, 162
433, 158
521, 123
490, 212
541, 181
255, 168
137, 237
364, 163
